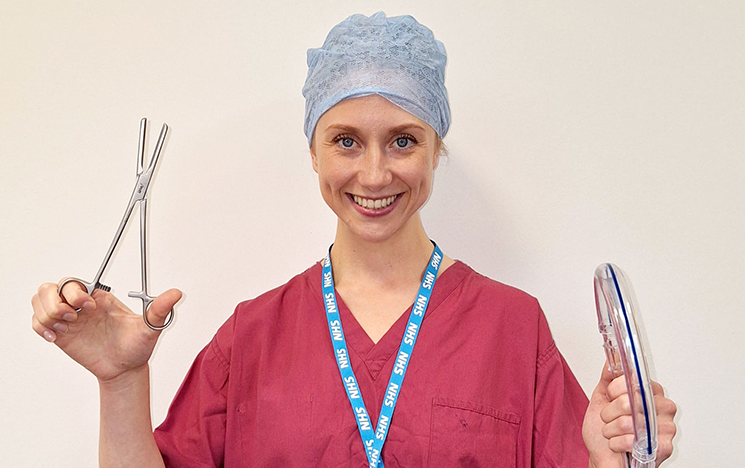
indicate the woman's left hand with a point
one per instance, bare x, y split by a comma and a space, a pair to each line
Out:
608, 430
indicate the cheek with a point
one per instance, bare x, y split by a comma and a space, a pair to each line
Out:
329, 191
331, 178
420, 177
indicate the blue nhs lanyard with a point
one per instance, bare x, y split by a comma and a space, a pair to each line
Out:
374, 440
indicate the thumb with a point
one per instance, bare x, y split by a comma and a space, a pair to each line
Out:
606, 377
157, 313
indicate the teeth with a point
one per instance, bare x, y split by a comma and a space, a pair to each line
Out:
373, 204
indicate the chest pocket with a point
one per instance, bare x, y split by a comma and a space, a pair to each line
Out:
465, 434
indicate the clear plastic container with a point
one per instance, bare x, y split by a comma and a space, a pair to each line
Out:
616, 307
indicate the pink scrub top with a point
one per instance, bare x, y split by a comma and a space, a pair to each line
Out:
486, 385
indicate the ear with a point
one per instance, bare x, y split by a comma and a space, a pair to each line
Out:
313, 157
438, 150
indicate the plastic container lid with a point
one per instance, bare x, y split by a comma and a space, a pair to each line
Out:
616, 308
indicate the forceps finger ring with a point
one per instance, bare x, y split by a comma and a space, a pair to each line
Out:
139, 195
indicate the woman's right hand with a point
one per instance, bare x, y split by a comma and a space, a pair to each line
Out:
105, 337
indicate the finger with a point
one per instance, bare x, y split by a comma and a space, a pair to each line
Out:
666, 431
657, 388
622, 444
45, 320
74, 294
42, 331
666, 428
49, 307
664, 449
161, 307
617, 387
666, 408
620, 406
620, 426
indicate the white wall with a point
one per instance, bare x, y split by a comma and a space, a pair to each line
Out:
582, 133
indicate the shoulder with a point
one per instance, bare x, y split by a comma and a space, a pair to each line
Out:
485, 289
296, 288
269, 313
508, 310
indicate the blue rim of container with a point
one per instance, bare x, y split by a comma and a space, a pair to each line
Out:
636, 357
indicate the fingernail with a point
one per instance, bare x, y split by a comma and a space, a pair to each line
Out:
88, 305
48, 335
69, 317
60, 327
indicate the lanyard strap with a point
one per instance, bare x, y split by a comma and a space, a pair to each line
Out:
374, 439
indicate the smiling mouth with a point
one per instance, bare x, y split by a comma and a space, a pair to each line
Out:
374, 204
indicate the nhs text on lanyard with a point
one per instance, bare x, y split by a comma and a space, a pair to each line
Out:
374, 440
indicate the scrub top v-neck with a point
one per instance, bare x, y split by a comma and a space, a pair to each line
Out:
373, 436
485, 383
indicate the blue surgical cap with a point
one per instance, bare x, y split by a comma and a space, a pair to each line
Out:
396, 58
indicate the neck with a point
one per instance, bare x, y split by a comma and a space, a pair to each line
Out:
393, 263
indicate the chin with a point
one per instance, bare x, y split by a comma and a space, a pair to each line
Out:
381, 232
374, 237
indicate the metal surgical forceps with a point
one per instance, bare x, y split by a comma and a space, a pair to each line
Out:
139, 195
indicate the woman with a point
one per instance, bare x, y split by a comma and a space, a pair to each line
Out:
312, 373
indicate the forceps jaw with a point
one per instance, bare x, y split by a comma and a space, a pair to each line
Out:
141, 147
144, 176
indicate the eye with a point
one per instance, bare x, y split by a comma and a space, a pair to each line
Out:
345, 141
405, 141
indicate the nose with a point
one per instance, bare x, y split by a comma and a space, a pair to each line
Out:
374, 173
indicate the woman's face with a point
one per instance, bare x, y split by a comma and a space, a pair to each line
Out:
375, 165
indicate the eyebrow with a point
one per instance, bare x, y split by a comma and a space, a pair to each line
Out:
398, 129
408, 126
343, 128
